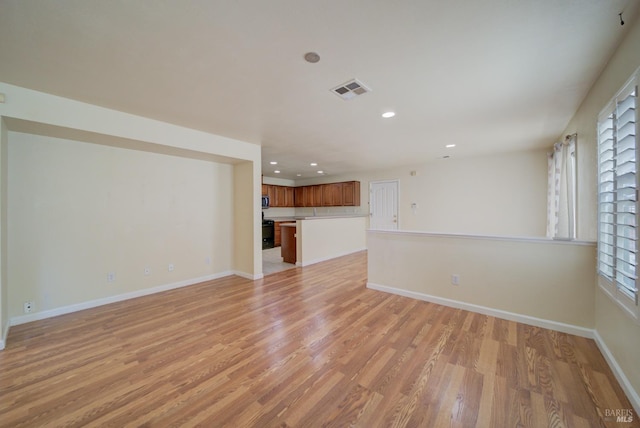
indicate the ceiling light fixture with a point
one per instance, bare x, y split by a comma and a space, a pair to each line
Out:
388, 114
277, 171
320, 172
273, 163
311, 57
298, 175
448, 146
313, 164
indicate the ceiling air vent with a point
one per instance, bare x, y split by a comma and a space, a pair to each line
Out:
350, 89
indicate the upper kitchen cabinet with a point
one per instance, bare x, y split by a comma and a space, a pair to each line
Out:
351, 193
316, 196
343, 194
279, 196
271, 193
299, 196
290, 198
308, 196
332, 195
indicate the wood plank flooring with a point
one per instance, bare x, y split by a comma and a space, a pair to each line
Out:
302, 348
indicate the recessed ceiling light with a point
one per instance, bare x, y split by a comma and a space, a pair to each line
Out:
313, 164
448, 146
276, 171
273, 163
298, 175
388, 114
320, 172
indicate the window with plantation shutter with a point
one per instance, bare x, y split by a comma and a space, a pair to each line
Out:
618, 197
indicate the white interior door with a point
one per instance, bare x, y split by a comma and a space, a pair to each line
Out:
383, 205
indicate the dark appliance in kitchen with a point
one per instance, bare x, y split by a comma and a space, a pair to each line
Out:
267, 234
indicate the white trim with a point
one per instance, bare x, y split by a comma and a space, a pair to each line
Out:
22, 319
324, 259
248, 275
622, 300
5, 334
484, 237
624, 382
511, 316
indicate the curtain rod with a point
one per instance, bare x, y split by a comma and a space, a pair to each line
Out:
568, 137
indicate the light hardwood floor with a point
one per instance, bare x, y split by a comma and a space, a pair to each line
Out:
304, 347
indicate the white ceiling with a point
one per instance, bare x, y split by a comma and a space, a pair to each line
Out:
488, 76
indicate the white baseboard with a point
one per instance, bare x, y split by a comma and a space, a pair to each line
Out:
632, 394
248, 275
324, 259
628, 389
498, 313
22, 319
5, 333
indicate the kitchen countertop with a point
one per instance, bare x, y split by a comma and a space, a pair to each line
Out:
317, 217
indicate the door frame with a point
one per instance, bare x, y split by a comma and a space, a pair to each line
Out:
393, 180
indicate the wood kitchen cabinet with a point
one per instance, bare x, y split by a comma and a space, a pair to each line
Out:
289, 197
288, 250
277, 233
351, 194
271, 192
299, 194
331, 195
279, 196
304, 196
316, 196
343, 194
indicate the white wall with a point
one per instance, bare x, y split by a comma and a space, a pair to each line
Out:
278, 181
503, 194
78, 211
35, 113
248, 258
324, 239
4, 186
542, 282
618, 332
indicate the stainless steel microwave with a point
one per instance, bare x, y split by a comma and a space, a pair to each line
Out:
265, 202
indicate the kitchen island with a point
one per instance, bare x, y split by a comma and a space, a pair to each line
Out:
322, 238
288, 242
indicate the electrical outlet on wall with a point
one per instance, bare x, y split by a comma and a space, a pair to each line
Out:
28, 307
171, 267
147, 270
111, 276
455, 279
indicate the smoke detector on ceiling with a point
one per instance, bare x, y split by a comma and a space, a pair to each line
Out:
350, 89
